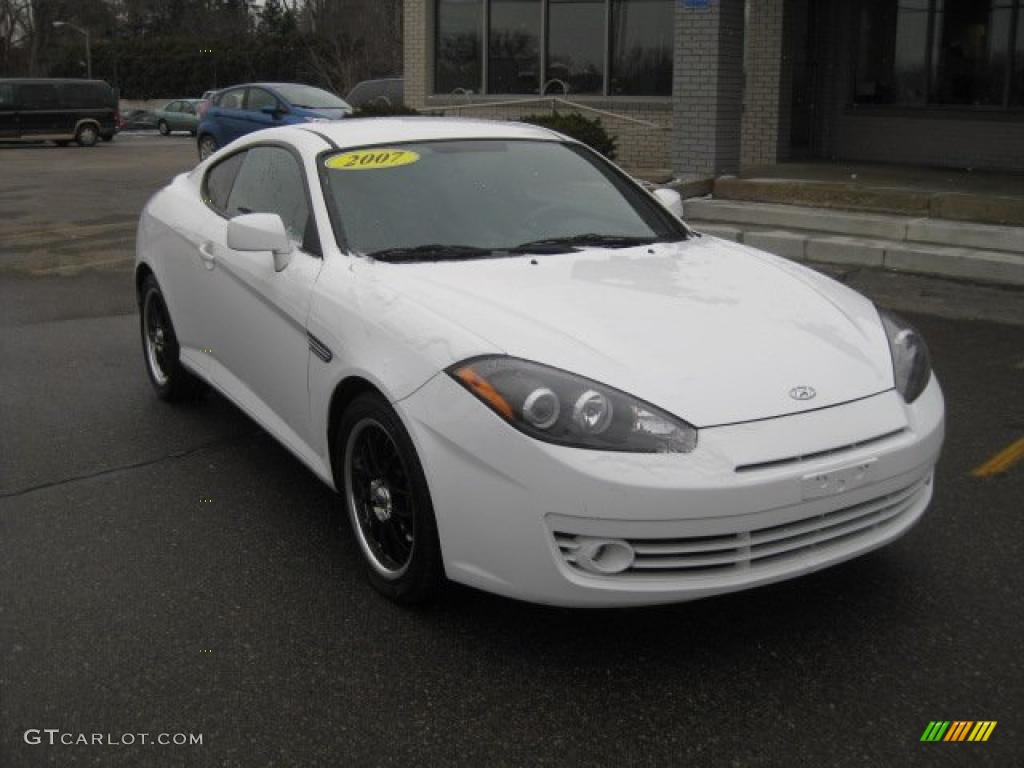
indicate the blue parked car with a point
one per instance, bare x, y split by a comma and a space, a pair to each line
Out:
242, 109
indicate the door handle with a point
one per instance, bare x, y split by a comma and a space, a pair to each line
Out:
207, 255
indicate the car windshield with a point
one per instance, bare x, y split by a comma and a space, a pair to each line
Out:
479, 198
308, 97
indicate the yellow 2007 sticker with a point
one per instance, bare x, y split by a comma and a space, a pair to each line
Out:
371, 159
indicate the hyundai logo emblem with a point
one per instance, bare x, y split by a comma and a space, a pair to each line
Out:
802, 392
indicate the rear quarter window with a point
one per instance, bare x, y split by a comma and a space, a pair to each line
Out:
85, 95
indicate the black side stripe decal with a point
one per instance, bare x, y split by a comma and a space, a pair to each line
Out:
319, 348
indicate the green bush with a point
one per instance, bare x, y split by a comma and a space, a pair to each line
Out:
382, 109
573, 124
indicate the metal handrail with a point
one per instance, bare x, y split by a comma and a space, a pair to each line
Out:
551, 101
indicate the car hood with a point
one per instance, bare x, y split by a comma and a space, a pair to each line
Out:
714, 332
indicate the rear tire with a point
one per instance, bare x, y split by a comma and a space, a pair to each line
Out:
160, 350
162, 127
87, 135
207, 146
388, 503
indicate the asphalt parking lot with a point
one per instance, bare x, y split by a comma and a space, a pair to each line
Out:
174, 570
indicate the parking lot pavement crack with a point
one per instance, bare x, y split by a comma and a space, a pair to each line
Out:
174, 456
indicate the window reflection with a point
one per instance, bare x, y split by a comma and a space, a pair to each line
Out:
641, 58
576, 45
971, 47
513, 62
892, 65
969, 60
458, 54
1017, 99
631, 38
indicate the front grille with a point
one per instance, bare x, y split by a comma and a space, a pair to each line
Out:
758, 548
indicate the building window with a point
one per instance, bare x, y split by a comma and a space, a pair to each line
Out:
601, 47
513, 53
459, 47
576, 50
963, 53
642, 32
1017, 98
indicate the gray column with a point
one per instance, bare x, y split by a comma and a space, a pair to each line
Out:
767, 95
707, 86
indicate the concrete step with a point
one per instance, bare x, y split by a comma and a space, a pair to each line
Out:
976, 265
998, 206
912, 229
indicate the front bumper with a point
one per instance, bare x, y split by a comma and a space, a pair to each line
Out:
755, 503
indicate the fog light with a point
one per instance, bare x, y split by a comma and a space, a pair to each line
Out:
604, 556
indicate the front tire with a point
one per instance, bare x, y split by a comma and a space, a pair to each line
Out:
388, 502
87, 135
162, 127
160, 350
207, 146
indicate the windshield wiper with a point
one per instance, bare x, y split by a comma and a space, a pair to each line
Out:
569, 242
430, 252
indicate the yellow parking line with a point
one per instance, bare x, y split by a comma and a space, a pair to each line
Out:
1002, 461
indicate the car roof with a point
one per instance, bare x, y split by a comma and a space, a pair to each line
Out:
278, 85
50, 80
354, 132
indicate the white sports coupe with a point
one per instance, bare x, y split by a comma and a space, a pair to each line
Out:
523, 372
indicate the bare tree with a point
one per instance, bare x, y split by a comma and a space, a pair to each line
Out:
14, 28
353, 40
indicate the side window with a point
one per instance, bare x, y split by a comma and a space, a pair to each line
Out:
6, 95
37, 96
270, 181
174, 106
188, 108
75, 95
220, 179
232, 99
259, 98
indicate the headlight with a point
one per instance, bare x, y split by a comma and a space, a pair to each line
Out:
910, 361
562, 408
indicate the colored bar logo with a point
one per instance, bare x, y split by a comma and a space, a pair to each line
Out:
958, 730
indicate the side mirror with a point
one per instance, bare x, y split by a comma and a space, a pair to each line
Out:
273, 111
261, 232
671, 200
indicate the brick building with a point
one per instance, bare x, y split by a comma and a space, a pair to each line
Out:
713, 86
